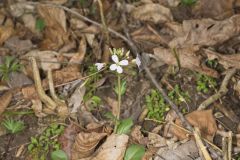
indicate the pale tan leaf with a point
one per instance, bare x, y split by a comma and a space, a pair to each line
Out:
152, 12
204, 120
37, 107
55, 32
113, 149
6, 30
137, 136
211, 9
114, 104
48, 59
85, 144
206, 32
187, 59
5, 100
79, 56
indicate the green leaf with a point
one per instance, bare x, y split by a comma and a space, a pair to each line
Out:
188, 2
123, 88
13, 126
134, 152
40, 24
125, 126
59, 155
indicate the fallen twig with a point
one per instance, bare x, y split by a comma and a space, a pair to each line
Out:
222, 91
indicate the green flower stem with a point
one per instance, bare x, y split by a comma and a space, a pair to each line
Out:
119, 103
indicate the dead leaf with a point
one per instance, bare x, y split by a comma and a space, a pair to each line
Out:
78, 57
186, 151
5, 100
152, 12
76, 98
30, 22
18, 46
155, 140
67, 138
113, 149
228, 61
65, 75
48, 59
6, 31
206, 32
137, 136
55, 32
204, 120
85, 144
187, 59
113, 104
211, 9
18, 79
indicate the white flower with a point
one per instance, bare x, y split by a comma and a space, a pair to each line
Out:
138, 61
117, 65
99, 66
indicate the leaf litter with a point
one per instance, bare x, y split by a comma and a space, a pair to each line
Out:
105, 113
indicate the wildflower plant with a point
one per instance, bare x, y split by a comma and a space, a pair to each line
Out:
120, 61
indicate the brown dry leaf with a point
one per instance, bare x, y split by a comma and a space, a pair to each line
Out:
67, 138
65, 75
18, 79
85, 144
76, 98
187, 59
156, 140
5, 100
6, 30
137, 136
152, 12
78, 57
113, 149
45, 57
56, 34
18, 46
204, 120
228, 61
220, 9
206, 32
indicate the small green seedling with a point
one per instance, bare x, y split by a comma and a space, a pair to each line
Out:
212, 63
188, 2
47, 141
204, 83
156, 105
178, 95
134, 152
13, 126
59, 155
40, 24
10, 65
122, 126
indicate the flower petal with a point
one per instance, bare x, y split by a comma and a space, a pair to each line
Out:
113, 67
138, 61
99, 66
123, 62
115, 58
119, 69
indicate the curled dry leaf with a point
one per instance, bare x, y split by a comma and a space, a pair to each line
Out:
152, 12
187, 59
5, 100
79, 56
45, 57
76, 98
60, 77
210, 9
67, 138
37, 107
204, 120
228, 61
206, 32
113, 149
85, 144
186, 151
156, 140
55, 32
137, 136
6, 30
